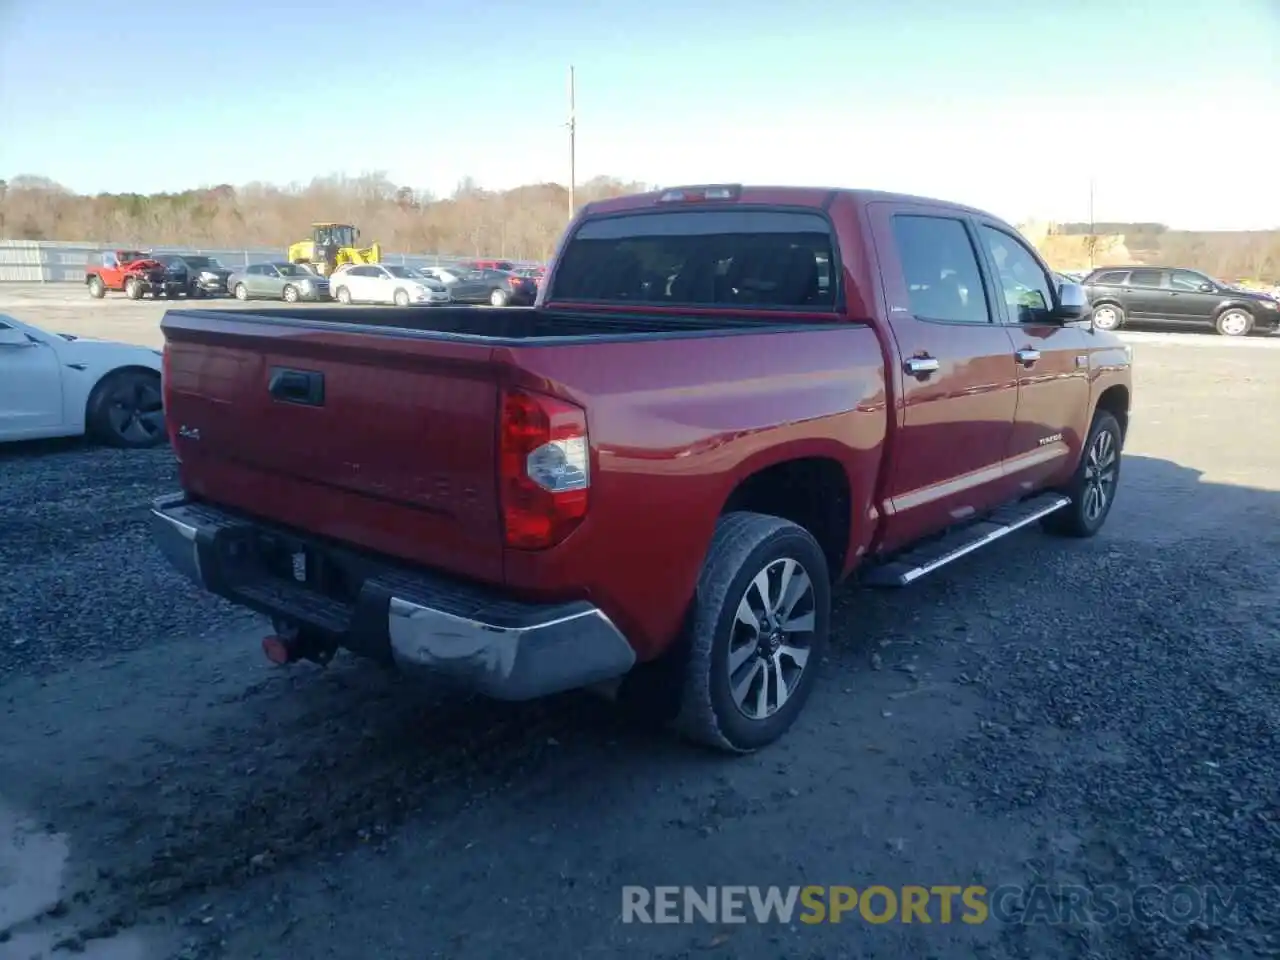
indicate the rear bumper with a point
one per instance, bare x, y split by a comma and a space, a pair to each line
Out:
509, 650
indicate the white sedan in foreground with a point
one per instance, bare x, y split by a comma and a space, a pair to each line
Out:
57, 385
385, 283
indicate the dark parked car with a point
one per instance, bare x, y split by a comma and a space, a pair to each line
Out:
1174, 295
499, 288
196, 276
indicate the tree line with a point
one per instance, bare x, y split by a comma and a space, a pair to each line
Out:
522, 223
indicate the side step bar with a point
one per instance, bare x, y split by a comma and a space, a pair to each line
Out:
908, 567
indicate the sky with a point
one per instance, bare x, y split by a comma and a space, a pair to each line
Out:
1171, 108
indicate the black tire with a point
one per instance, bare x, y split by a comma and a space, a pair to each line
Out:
126, 409
1108, 316
1099, 461
498, 298
401, 298
241, 292
290, 294
133, 288
1234, 322
97, 289
744, 546
343, 295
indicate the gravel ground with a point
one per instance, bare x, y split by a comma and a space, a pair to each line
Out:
1094, 713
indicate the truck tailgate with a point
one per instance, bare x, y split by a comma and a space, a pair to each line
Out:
384, 442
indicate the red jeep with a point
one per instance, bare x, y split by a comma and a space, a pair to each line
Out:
132, 271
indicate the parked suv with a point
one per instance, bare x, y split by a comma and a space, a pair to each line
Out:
1175, 295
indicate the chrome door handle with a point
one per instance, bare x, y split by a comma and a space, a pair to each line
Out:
1027, 356
919, 366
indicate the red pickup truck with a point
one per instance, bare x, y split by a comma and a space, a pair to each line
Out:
725, 401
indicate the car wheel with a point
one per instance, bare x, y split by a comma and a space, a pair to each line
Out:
290, 293
126, 409
498, 298
401, 298
132, 288
757, 633
1093, 486
242, 292
1108, 316
1233, 323
344, 295
97, 289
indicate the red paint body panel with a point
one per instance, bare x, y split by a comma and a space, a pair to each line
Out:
402, 458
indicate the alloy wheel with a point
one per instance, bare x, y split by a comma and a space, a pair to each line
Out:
772, 631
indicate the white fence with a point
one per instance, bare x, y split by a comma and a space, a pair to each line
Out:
40, 261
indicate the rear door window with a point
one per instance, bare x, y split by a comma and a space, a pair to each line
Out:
742, 258
940, 268
1145, 278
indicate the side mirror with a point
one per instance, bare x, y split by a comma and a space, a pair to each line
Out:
1207, 288
1073, 303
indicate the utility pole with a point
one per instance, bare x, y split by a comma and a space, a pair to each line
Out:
573, 125
1093, 232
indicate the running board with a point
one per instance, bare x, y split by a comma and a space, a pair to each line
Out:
906, 568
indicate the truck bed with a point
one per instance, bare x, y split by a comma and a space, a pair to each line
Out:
513, 325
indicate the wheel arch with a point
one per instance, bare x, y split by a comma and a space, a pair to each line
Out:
1115, 400
813, 491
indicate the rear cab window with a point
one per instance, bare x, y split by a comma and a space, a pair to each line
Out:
742, 258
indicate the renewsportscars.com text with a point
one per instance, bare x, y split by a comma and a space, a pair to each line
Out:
1039, 903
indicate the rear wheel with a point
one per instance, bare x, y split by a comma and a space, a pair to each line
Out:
1233, 323
97, 289
126, 409
242, 292
1093, 487
1108, 316
757, 633
498, 298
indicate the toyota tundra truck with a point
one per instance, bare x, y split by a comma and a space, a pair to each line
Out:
725, 401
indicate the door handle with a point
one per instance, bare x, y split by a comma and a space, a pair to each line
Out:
1027, 356
921, 366
297, 386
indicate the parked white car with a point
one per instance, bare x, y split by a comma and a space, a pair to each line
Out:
385, 283
57, 385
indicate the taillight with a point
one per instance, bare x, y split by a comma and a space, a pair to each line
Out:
543, 469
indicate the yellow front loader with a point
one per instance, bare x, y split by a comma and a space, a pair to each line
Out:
331, 245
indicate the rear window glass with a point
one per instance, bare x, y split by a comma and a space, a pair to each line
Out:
731, 258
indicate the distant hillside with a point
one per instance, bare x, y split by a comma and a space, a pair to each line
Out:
1229, 255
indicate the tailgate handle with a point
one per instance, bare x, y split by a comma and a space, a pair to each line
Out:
297, 386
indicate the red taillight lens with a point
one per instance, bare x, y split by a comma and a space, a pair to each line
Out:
543, 469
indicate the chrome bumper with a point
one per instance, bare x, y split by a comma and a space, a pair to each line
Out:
507, 649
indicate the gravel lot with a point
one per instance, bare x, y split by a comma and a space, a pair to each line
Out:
1100, 712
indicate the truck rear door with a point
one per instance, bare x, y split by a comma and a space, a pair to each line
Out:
385, 442
957, 379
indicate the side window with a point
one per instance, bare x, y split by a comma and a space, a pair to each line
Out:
1187, 280
1114, 277
1145, 278
940, 268
253, 270
109, 259
1027, 289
